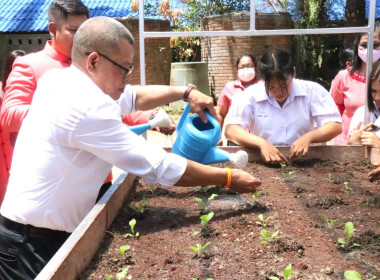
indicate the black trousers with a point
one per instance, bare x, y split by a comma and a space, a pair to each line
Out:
25, 250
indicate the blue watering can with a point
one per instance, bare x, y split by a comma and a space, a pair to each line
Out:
197, 141
160, 119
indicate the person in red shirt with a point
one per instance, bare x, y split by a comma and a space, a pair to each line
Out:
6, 149
247, 73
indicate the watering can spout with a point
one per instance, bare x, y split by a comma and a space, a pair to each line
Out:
215, 155
160, 119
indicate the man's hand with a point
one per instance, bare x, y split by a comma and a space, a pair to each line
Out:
198, 102
300, 147
374, 174
243, 182
272, 154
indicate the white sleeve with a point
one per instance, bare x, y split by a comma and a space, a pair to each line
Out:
103, 134
240, 112
358, 117
127, 100
323, 107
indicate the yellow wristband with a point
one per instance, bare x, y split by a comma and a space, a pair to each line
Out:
228, 178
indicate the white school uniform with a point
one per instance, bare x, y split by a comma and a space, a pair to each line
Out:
308, 104
358, 117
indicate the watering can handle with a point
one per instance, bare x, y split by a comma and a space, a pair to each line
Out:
186, 111
183, 117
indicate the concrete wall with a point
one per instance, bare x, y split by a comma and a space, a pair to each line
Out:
221, 52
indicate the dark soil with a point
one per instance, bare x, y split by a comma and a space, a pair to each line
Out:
296, 203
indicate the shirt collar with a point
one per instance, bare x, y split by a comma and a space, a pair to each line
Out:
56, 55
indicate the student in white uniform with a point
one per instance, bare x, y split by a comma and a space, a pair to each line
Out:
282, 111
364, 134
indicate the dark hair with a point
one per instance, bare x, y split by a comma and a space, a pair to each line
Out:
59, 10
346, 55
356, 61
9, 63
246, 55
276, 64
374, 76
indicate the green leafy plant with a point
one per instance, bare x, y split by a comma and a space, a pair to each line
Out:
120, 276
354, 275
199, 249
347, 189
287, 272
205, 204
288, 174
263, 222
152, 188
345, 243
329, 178
330, 223
132, 224
123, 249
283, 165
206, 218
268, 238
136, 208
255, 196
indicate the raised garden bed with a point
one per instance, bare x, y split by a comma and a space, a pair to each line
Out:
296, 197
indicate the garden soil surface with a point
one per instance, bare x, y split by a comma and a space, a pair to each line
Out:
296, 198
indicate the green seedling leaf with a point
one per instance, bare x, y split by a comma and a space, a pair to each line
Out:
108, 277
264, 234
212, 197
288, 271
263, 221
347, 189
199, 249
152, 188
274, 235
206, 218
123, 249
195, 233
330, 223
200, 201
198, 189
132, 224
329, 178
123, 275
349, 228
352, 275
283, 165
136, 208
144, 201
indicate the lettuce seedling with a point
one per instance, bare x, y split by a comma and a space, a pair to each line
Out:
289, 174
347, 189
283, 165
329, 178
286, 273
349, 228
132, 224
255, 196
354, 275
205, 204
123, 249
206, 218
199, 249
330, 223
152, 188
120, 276
266, 237
263, 221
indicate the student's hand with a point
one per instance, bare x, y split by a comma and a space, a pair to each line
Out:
300, 147
370, 139
243, 182
198, 102
357, 133
272, 154
374, 174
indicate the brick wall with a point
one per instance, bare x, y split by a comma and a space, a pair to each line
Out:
157, 50
221, 52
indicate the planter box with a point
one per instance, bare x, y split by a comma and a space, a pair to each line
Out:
78, 250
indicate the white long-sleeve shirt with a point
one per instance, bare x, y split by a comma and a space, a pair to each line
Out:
308, 103
66, 147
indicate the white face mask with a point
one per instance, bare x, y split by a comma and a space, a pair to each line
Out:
246, 74
363, 55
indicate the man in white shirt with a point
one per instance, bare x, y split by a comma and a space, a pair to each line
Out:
72, 137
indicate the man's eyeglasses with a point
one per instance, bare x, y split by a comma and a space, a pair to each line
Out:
127, 71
